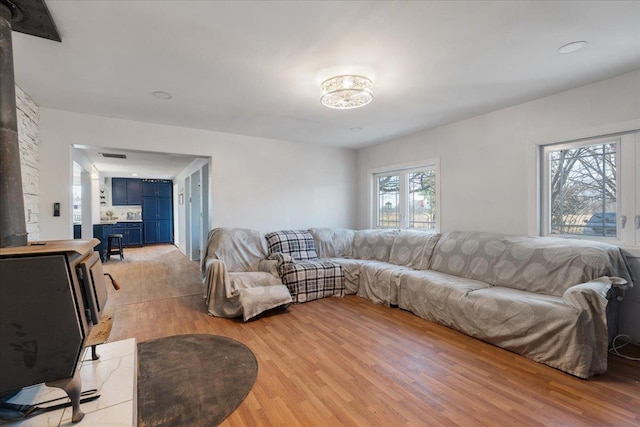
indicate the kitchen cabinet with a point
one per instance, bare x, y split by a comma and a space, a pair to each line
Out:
100, 232
158, 231
157, 210
126, 191
157, 188
131, 233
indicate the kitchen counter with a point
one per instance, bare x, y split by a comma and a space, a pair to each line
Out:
114, 221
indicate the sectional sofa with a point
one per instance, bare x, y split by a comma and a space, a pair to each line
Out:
552, 300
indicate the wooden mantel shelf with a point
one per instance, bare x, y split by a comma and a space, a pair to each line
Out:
78, 246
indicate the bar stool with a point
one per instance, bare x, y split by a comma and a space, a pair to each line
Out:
117, 250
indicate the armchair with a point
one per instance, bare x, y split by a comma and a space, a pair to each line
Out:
306, 277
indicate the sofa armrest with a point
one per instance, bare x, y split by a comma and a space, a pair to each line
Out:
620, 285
268, 266
216, 281
585, 295
281, 258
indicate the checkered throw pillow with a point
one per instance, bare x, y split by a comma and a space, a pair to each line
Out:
297, 243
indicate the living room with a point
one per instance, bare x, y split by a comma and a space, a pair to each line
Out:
279, 170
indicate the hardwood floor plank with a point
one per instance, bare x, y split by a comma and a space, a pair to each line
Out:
347, 361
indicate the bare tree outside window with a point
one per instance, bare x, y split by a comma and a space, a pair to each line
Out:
583, 190
389, 201
422, 200
407, 199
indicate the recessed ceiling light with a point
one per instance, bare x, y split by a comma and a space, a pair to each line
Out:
355, 129
571, 47
161, 94
134, 174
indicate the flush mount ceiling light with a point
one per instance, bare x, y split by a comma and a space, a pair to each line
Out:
571, 47
346, 92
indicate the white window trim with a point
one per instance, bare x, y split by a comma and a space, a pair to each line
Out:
534, 161
537, 218
544, 174
433, 163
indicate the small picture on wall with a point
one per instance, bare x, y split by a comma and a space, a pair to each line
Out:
181, 198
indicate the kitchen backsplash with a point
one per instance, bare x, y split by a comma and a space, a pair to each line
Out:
121, 213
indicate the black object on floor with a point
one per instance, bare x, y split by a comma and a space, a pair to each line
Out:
114, 249
192, 380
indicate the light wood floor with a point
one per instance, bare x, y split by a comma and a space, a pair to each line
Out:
347, 361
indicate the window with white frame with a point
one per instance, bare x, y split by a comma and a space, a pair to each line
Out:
590, 189
406, 198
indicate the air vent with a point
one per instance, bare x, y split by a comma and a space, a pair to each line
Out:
114, 155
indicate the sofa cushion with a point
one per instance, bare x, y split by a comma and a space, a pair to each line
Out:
333, 242
297, 243
536, 264
257, 300
373, 244
413, 249
540, 327
311, 280
351, 270
379, 281
435, 296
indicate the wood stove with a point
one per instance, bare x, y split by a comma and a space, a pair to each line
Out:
51, 294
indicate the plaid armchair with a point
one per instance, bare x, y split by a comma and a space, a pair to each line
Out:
306, 277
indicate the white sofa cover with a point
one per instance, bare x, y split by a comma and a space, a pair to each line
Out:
237, 279
552, 300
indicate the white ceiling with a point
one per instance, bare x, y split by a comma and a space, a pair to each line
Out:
254, 68
143, 164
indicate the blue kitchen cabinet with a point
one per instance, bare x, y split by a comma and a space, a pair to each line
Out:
150, 231
157, 210
126, 191
149, 207
157, 187
118, 191
158, 231
164, 207
100, 232
131, 233
134, 234
134, 191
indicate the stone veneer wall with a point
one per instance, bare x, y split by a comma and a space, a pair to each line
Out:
29, 140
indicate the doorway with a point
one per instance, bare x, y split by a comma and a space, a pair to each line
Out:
196, 215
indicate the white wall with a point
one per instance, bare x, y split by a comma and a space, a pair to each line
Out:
256, 182
488, 163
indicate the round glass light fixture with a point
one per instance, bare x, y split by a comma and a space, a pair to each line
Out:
571, 47
346, 92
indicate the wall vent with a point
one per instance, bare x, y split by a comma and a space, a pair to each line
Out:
114, 155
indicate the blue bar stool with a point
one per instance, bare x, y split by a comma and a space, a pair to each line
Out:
114, 249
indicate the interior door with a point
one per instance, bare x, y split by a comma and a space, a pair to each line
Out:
187, 215
196, 214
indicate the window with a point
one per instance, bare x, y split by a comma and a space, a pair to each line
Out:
589, 189
406, 198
